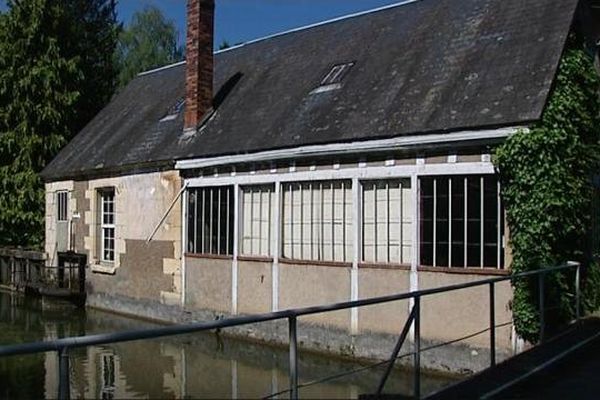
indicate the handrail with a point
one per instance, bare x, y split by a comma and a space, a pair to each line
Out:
109, 338
62, 345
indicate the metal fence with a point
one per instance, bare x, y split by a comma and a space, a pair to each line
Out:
20, 267
63, 346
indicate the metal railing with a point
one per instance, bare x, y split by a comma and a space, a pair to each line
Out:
63, 346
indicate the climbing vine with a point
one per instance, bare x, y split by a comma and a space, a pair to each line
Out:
547, 175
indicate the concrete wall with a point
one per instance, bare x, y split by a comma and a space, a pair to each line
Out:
255, 283
141, 270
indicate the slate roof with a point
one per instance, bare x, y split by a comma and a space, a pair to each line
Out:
423, 67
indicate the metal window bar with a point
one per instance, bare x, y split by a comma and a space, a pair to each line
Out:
466, 183
482, 220
203, 221
499, 227
301, 194
332, 221
435, 222
219, 220
450, 182
196, 195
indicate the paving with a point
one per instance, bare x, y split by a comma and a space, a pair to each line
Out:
573, 374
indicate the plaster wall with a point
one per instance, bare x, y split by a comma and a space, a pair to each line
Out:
208, 284
311, 285
254, 287
459, 314
383, 318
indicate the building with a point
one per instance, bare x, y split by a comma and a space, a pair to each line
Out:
343, 160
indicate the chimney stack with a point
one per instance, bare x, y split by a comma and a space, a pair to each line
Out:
199, 61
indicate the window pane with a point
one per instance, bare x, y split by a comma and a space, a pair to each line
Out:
386, 221
316, 220
459, 219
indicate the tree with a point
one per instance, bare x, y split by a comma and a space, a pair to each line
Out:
150, 41
54, 75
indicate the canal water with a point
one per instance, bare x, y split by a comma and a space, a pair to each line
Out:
189, 366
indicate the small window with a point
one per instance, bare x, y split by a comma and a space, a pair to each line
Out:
174, 110
107, 225
62, 203
337, 74
333, 79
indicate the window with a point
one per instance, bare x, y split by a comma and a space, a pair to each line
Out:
257, 215
317, 221
62, 206
107, 225
462, 222
387, 212
337, 74
210, 220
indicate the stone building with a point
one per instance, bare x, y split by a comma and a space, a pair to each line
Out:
339, 161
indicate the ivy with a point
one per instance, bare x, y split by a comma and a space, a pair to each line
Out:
546, 174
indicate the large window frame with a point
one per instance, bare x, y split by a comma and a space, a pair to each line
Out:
461, 222
316, 222
211, 220
387, 212
257, 214
107, 216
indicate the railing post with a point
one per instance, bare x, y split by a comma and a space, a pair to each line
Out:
64, 386
492, 325
417, 355
293, 358
541, 277
578, 292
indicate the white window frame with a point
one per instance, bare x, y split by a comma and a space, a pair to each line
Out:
404, 201
107, 196
317, 222
265, 222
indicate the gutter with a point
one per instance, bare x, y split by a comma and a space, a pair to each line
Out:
340, 149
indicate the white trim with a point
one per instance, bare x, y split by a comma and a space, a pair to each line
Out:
184, 239
329, 21
151, 71
276, 249
356, 252
236, 238
397, 143
415, 250
471, 168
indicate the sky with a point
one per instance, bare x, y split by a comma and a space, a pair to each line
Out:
243, 20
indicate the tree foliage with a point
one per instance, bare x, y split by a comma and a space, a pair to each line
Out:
56, 72
149, 41
546, 176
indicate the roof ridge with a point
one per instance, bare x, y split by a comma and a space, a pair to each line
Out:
293, 30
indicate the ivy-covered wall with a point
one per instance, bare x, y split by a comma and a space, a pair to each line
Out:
547, 176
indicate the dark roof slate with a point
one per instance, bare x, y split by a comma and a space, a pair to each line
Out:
427, 66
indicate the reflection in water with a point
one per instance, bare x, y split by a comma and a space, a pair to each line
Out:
189, 366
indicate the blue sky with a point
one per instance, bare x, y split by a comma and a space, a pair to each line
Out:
243, 20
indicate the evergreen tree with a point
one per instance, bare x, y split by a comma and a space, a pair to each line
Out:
150, 41
54, 76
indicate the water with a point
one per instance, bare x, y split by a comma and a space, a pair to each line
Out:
189, 366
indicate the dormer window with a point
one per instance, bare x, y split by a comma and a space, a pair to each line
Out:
174, 110
333, 79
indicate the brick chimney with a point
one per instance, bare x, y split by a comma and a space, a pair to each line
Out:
199, 61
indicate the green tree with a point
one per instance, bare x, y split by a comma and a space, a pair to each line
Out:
547, 190
149, 41
54, 75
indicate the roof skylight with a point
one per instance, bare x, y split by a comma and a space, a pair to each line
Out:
333, 80
174, 111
